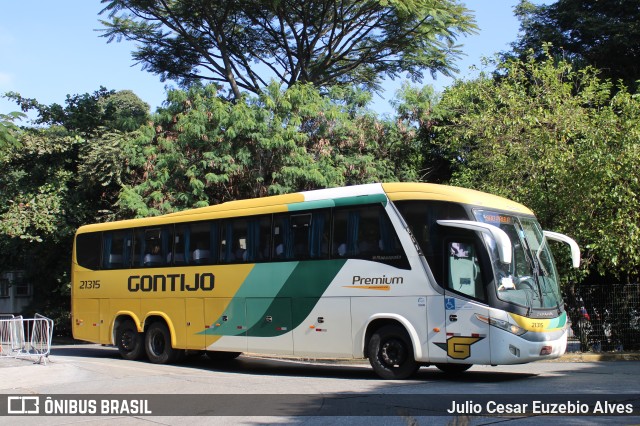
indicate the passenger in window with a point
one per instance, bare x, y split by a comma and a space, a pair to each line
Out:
239, 253
153, 258
200, 254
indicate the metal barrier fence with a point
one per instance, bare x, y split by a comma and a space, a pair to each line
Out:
26, 338
605, 317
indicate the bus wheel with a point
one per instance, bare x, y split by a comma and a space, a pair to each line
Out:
157, 342
222, 356
453, 368
130, 342
391, 353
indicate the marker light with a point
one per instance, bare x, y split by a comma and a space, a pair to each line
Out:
503, 325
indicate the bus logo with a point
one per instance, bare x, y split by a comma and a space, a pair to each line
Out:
459, 347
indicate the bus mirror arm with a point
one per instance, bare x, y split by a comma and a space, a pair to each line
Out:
575, 249
501, 238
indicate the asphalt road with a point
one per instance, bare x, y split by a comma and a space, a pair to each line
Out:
305, 392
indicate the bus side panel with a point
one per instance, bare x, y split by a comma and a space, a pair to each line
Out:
172, 310
410, 311
194, 311
227, 324
437, 330
105, 321
270, 330
86, 319
326, 331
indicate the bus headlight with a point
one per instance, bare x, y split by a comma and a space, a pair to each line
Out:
503, 325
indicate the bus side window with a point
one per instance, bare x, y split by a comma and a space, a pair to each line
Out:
203, 237
180, 252
319, 235
302, 235
282, 238
258, 239
88, 250
465, 275
117, 249
366, 232
233, 241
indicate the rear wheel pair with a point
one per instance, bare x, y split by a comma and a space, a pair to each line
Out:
155, 342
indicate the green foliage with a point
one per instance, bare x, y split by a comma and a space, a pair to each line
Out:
417, 115
35, 182
601, 33
84, 114
66, 172
8, 129
559, 141
203, 149
244, 44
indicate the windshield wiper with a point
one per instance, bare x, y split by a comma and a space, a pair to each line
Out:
533, 264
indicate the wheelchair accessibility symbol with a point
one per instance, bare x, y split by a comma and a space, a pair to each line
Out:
449, 303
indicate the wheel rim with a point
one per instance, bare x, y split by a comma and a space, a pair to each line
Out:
393, 353
127, 341
157, 343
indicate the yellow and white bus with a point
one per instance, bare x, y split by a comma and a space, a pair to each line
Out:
404, 274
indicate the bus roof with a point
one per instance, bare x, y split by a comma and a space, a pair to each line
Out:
330, 197
429, 191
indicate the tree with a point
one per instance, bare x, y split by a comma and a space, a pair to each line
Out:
558, 140
601, 33
66, 172
85, 114
203, 149
244, 44
8, 129
416, 109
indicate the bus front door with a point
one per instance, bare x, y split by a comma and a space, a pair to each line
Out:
467, 336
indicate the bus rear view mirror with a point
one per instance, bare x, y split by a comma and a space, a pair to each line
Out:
575, 250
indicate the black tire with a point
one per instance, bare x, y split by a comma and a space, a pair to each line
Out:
453, 368
391, 353
222, 356
130, 343
157, 343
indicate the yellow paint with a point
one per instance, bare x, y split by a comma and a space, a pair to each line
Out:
170, 305
257, 206
459, 347
428, 191
535, 324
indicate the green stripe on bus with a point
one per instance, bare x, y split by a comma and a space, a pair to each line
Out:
309, 205
361, 199
264, 281
559, 322
339, 202
299, 294
286, 294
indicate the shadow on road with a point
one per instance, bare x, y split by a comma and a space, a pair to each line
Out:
254, 365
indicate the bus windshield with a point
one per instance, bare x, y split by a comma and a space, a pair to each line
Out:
531, 280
